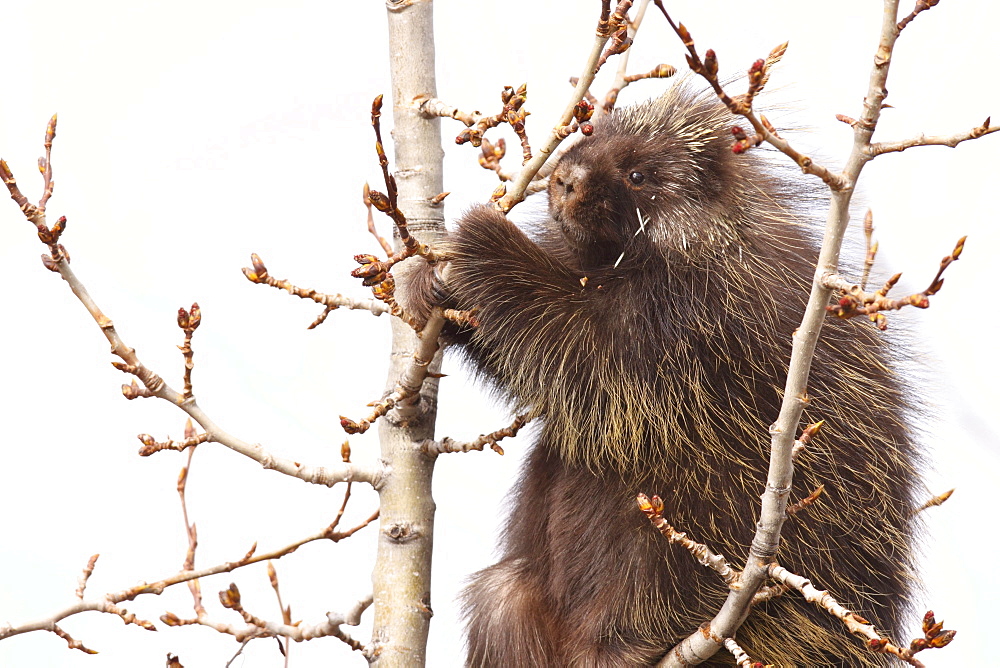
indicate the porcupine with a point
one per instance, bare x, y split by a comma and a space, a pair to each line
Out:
648, 320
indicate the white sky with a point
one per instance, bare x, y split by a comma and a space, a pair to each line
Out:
192, 134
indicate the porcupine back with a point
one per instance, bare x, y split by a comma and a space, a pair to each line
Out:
656, 358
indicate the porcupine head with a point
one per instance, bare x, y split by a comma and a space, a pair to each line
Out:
655, 178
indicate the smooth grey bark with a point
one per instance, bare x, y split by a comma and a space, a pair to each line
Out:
402, 575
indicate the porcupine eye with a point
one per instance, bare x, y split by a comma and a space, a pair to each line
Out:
636, 178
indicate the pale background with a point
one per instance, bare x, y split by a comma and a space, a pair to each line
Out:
194, 133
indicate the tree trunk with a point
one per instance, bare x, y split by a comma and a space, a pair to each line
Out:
402, 576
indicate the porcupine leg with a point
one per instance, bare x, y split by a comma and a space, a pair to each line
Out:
559, 597
509, 620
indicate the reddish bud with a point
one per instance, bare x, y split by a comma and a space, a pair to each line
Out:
230, 598
657, 504
684, 34
711, 63
878, 643
756, 72
195, 317
258, 266
943, 639
50, 264
379, 201
170, 619
644, 504
349, 425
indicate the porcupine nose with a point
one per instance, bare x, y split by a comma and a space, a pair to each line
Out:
565, 184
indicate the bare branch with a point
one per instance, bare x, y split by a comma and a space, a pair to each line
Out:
259, 274
189, 527
742, 659
854, 301
921, 5
108, 603
431, 107
85, 576
259, 628
406, 395
709, 69
621, 74
491, 439
923, 140
804, 503
870, 249
702, 644
934, 634
653, 509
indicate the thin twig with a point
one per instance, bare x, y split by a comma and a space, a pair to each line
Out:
259, 274
406, 395
108, 603
653, 509
492, 439
923, 140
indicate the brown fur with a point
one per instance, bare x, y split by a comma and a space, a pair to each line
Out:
661, 375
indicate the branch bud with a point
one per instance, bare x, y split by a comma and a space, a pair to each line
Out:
711, 63
230, 598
